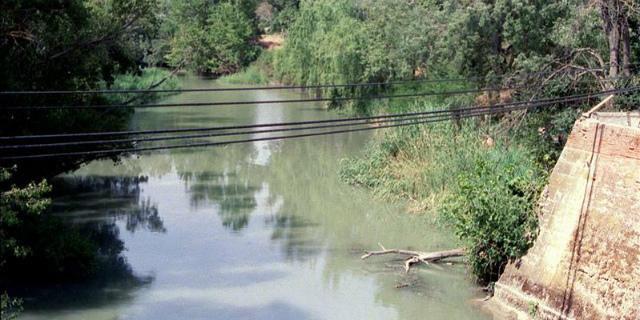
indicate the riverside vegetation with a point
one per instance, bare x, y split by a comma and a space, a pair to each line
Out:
93, 45
480, 177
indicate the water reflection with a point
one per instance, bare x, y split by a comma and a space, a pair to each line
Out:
259, 231
105, 199
113, 280
264, 149
291, 231
95, 205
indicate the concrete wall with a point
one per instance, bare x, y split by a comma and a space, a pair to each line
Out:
585, 263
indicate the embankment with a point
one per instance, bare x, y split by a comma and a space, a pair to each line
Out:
585, 263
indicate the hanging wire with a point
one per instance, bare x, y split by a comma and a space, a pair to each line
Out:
299, 123
282, 87
259, 102
446, 115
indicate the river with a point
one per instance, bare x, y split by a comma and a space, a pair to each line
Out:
253, 231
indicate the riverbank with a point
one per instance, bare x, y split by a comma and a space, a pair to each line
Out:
478, 182
260, 230
476, 177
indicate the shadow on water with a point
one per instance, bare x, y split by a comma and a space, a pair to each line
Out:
112, 279
93, 205
99, 199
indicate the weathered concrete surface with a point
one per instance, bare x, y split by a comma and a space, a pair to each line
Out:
585, 263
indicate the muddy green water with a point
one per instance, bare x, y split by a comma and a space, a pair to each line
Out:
255, 231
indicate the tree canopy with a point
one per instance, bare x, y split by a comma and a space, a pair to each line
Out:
211, 36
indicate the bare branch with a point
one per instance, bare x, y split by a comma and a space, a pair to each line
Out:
416, 256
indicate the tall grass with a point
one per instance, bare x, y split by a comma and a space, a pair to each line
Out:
144, 80
260, 72
467, 175
250, 75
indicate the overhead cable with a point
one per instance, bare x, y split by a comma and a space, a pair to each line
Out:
85, 135
259, 102
276, 87
452, 114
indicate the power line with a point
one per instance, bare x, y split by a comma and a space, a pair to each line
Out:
282, 87
208, 135
197, 136
456, 114
205, 144
299, 123
232, 103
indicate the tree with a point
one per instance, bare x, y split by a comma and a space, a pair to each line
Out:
16, 206
68, 45
212, 37
616, 16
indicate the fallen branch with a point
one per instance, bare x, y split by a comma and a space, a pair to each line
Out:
416, 256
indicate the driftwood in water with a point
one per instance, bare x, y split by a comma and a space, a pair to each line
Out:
416, 256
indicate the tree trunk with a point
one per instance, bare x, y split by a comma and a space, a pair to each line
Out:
626, 47
613, 23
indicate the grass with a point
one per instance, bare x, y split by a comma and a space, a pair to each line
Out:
260, 72
417, 162
485, 192
145, 79
250, 75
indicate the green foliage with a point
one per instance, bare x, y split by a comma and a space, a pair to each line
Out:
10, 307
38, 247
68, 45
258, 72
16, 206
492, 209
212, 37
532, 307
276, 15
339, 41
545, 133
250, 75
323, 45
486, 193
150, 77
494, 37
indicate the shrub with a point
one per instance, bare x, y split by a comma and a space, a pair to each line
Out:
492, 209
486, 194
10, 307
35, 245
16, 206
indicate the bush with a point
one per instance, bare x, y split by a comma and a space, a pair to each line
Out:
486, 194
16, 206
492, 209
250, 75
36, 246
